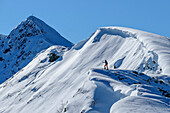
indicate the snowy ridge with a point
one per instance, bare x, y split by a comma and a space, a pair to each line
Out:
50, 34
115, 86
33, 26
137, 80
155, 44
24, 42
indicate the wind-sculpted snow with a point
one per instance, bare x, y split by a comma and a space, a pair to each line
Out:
153, 44
137, 79
117, 32
123, 91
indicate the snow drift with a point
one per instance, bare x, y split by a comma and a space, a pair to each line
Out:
137, 79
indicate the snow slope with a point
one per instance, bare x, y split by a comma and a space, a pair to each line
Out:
127, 91
137, 80
24, 42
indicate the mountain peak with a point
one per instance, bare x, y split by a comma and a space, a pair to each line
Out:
32, 17
25, 41
33, 26
36, 20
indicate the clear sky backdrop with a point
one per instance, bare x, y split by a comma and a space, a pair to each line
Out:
76, 20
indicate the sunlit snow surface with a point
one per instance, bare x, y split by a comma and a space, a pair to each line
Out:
137, 80
24, 42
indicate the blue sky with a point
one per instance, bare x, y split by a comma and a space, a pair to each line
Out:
76, 20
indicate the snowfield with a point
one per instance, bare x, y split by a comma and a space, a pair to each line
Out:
137, 80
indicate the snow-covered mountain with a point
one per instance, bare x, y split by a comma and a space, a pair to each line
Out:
24, 42
2, 36
137, 80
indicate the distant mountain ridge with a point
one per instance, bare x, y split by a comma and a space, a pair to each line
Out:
24, 42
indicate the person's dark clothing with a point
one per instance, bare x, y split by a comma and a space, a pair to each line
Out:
106, 65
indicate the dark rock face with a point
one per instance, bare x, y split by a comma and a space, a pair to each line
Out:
22, 45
